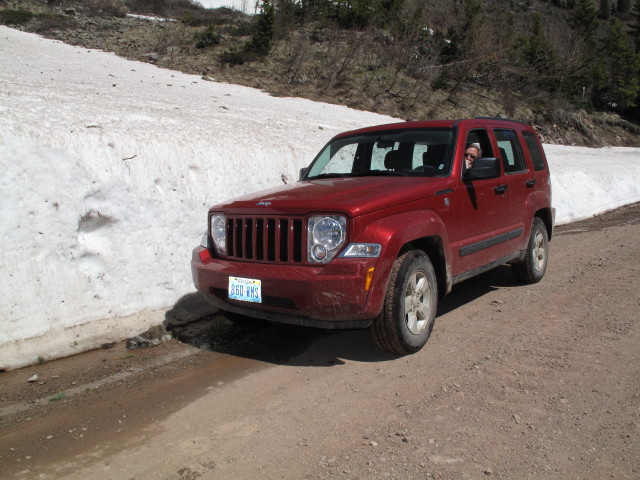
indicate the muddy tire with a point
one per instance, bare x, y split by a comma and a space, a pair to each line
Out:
532, 268
409, 310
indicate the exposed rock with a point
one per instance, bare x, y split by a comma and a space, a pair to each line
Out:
151, 57
154, 336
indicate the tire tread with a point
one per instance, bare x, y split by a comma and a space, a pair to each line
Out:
385, 329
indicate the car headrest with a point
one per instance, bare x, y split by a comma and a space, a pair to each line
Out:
434, 156
396, 160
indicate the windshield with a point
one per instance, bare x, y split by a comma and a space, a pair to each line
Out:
420, 153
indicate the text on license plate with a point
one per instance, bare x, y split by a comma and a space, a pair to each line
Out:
246, 289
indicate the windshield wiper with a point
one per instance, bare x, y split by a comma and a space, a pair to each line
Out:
381, 173
329, 175
371, 173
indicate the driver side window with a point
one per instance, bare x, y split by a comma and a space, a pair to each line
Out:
481, 137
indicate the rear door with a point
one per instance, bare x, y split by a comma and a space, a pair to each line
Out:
516, 179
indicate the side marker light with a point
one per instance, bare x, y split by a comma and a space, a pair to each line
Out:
367, 283
205, 256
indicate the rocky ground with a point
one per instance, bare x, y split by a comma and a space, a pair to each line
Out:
539, 381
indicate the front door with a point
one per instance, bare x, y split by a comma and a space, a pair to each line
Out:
480, 212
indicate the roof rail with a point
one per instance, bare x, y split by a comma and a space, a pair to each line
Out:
501, 119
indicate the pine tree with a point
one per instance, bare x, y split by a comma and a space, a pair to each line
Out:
541, 54
312, 9
603, 14
260, 42
635, 28
587, 70
585, 19
622, 68
623, 6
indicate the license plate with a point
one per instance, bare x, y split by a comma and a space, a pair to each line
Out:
245, 289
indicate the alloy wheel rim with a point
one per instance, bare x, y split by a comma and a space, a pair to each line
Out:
539, 252
417, 303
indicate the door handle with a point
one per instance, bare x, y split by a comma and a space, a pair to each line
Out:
500, 189
530, 183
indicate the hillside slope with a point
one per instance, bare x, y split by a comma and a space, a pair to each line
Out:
409, 69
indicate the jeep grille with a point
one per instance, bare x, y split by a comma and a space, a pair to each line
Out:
265, 239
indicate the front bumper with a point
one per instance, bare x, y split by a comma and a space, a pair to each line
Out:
327, 296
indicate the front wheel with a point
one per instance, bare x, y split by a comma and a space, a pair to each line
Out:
532, 268
409, 310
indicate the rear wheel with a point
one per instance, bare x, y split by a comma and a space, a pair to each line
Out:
409, 310
532, 268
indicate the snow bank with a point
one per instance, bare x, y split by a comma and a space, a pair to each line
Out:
590, 181
109, 167
246, 6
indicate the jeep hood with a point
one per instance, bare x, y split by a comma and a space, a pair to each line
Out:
354, 196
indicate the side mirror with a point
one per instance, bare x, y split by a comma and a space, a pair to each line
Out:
483, 168
303, 173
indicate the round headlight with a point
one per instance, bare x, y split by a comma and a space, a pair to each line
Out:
328, 232
219, 233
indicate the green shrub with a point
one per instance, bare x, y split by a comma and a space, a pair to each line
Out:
207, 37
192, 20
48, 23
154, 7
15, 17
204, 17
57, 397
234, 57
442, 82
241, 29
114, 8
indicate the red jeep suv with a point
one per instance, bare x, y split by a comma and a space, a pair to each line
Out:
380, 226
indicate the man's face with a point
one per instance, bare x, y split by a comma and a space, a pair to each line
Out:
470, 156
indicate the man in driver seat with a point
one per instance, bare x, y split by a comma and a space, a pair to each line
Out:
471, 152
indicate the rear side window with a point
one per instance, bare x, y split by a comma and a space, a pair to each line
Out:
535, 152
510, 152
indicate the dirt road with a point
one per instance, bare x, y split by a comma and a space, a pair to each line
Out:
516, 382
